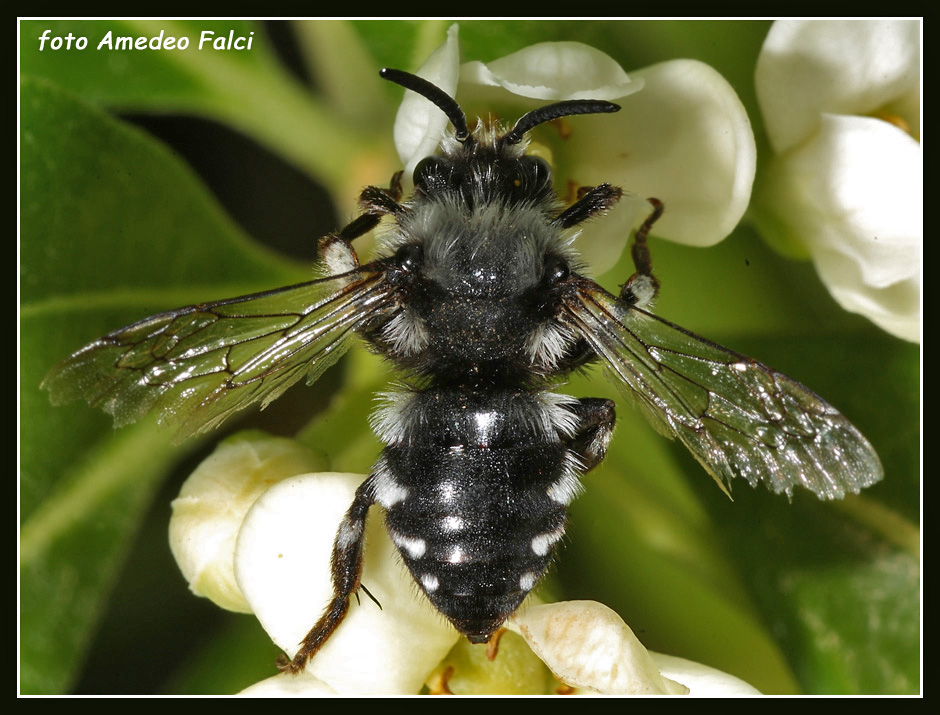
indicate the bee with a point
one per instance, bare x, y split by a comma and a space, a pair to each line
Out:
475, 294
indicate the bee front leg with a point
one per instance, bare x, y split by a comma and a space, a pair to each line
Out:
346, 567
376, 203
591, 201
383, 201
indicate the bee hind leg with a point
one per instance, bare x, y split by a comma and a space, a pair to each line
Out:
596, 418
346, 567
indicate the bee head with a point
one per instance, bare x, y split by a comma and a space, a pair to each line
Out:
482, 166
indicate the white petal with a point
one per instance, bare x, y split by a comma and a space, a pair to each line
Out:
701, 680
554, 71
282, 564
686, 140
212, 505
854, 196
810, 67
419, 125
588, 646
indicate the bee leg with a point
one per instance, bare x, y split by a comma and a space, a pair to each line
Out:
336, 249
394, 186
376, 203
346, 567
642, 286
596, 417
381, 202
591, 202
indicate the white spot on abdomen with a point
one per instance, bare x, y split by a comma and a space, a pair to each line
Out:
565, 489
543, 543
452, 523
387, 489
456, 555
411, 545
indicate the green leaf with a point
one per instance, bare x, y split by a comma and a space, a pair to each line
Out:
239, 656
838, 583
113, 228
642, 543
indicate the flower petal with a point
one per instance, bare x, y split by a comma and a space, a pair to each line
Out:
701, 680
419, 125
213, 502
810, 67
282, 563
686, 140
588, 646
554, 71
853, 195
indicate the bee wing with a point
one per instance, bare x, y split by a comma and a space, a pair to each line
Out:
201, 363
737, 416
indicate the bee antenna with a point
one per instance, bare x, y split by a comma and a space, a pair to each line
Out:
432, 93
549, 112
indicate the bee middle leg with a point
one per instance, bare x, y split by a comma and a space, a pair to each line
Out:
336, 249
346, 567
642, 286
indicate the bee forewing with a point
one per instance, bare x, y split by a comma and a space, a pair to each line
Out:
201, 363
739, 418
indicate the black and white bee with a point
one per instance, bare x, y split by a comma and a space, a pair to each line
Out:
476, 295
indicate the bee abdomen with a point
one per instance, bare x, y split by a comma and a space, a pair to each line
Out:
475, 484
476, 547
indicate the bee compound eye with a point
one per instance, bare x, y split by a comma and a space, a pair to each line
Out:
538, 173
430, 171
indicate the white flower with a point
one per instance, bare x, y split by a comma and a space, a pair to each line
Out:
281, 562
684, 139
589, 647
212, 504
846, 186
